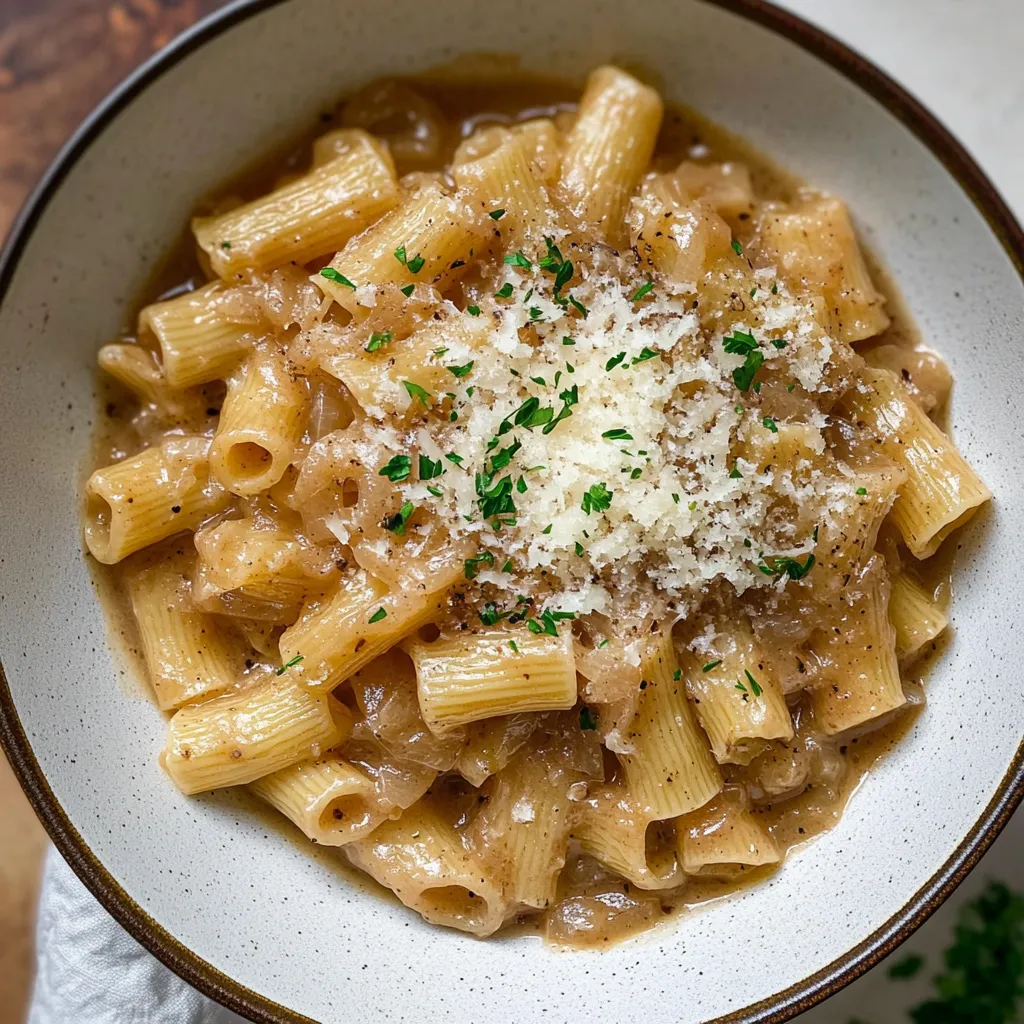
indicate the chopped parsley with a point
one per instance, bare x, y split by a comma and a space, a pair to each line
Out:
677, 675
579, 307
568, 341
225, 245
517, 259
505, 291
496, 214
862, 490
415, 391
597, 499
645, 354
614, 361
377, 340
462, 371
734, 473
396, 523
400, 255
743, 376
429, 468
711, 664
587, 720
618, 434
484, 558
736, 247
415, 265
288, 664
784, 565
643, 290
407, 290
473, 310
380, 613
739, 343
435, 491
397, 468
770, 423
337, 277
755, 687
579, 549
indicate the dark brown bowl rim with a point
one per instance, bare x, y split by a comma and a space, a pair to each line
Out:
777, 1008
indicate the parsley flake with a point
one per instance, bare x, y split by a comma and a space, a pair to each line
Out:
337, 277
288, 664
643, 290
484, 558
378, 340
397, 468
597, 499
380, 613
517, 259
415, 391
396, 523
429, 468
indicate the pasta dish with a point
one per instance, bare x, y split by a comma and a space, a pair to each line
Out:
531, 498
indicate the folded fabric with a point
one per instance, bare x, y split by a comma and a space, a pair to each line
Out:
91, 971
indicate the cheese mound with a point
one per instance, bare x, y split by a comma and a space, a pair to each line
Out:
589, 444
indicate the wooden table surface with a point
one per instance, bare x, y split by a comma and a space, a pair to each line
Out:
58, 58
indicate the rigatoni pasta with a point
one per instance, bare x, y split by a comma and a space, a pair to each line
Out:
310, 217
239, 737
503, 500
162, 491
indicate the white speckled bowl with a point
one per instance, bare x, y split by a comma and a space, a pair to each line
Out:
240, 912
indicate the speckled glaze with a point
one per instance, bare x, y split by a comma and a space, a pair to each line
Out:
240, 910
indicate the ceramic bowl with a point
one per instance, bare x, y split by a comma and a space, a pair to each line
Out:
237, 908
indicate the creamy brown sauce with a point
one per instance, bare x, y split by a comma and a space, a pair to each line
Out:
685, 134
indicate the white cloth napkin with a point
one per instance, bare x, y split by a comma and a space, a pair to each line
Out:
91, 971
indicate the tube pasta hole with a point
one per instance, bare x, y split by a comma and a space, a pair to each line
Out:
345, 813
428, 632
247, 460
349, 493
97, 526
454, 902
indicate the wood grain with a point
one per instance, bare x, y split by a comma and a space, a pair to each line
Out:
58, 58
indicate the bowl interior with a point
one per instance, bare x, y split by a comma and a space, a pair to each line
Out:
247, 899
